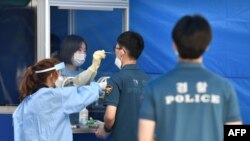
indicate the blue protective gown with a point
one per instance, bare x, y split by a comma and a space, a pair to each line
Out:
77, 78
44, 115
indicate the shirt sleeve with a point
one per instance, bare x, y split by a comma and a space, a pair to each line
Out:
112, 98
147, 110
74, 99
232, 112
84, 78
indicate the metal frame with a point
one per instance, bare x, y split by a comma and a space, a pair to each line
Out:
71, 22
43, 18
43, 29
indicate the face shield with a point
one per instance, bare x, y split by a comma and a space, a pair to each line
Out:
57, 67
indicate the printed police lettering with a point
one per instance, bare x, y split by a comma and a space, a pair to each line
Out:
199, 97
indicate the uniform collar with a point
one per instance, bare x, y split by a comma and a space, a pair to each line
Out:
189, 65
130, 67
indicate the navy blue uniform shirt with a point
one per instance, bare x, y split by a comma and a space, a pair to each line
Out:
126, 94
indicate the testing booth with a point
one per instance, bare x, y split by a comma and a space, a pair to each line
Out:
40, 21
27, 29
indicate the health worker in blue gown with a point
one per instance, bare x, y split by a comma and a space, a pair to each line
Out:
73, 53
43, 114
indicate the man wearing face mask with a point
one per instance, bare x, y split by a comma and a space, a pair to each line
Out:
123, 100
73, 54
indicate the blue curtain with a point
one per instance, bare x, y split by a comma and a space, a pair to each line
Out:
228, 53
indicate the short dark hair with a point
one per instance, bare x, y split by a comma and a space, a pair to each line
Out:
70, 45
192, 35
132, 42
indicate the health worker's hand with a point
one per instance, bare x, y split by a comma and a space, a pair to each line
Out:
97, 57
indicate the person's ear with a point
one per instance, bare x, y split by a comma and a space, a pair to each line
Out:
207, 48
123, 52
175, 49
50, 79
54, 75
51, 76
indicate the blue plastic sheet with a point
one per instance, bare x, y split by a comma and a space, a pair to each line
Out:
228, 53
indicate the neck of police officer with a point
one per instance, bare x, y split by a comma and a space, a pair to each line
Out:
126, 61
196, 60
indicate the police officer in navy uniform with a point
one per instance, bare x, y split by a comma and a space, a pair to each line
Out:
189, 103
124, 99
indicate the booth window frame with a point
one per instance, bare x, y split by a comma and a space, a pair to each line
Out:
43, 18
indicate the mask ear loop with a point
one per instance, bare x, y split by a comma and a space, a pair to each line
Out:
124, 51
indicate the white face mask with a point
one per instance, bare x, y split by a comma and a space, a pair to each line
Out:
118, 62
59, 81
78, 59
